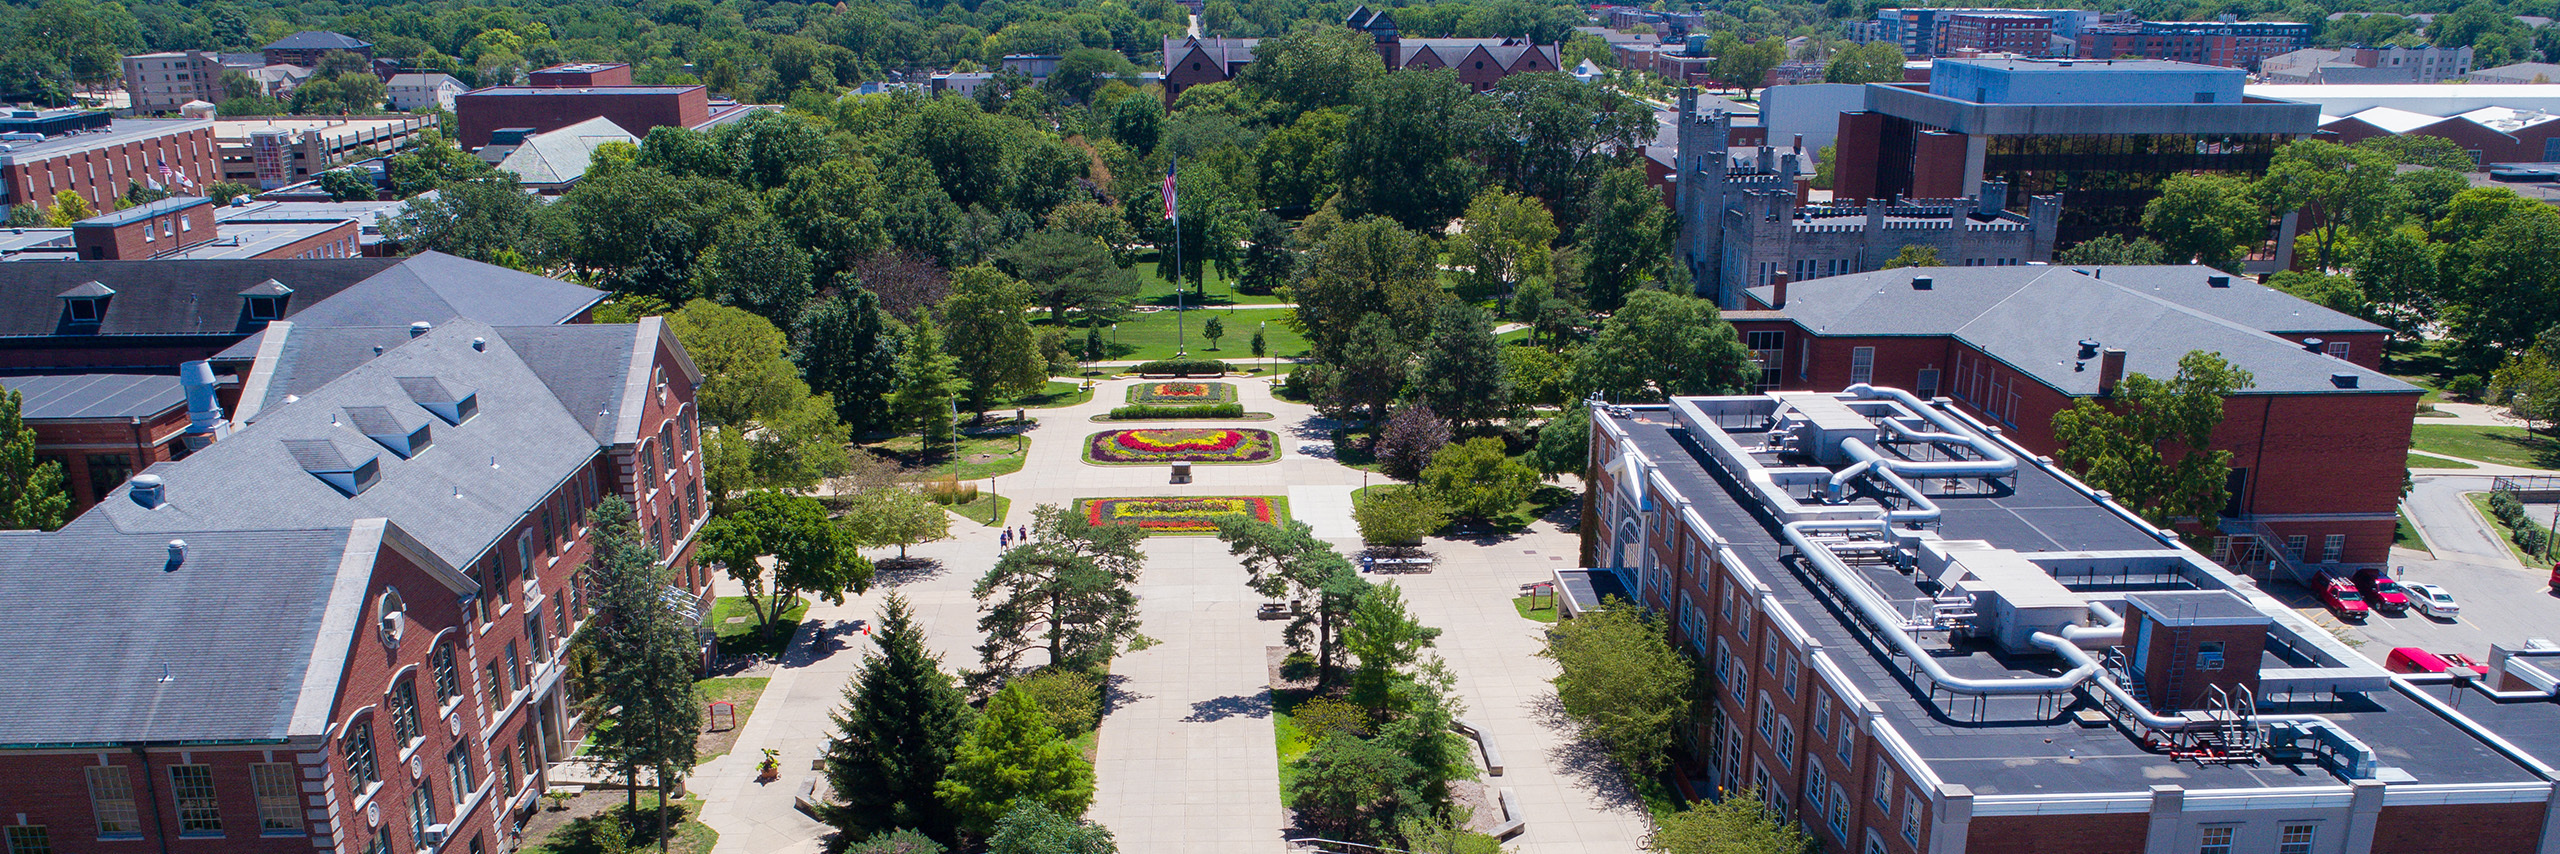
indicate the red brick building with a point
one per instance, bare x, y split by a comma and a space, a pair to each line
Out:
100, 167
187, 227
637, 109
2319, 443
2232, 44
1924, 639
571, 74
1479, 63
102, 428
1991, 32
342, 626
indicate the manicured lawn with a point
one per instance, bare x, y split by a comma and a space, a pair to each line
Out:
1154, 290
2480, 503
1544, 615
987, 509
2511, 446
1290, 743
1151, 335
2419, 461
742, 637
739, 690
587, 834
974, 457
1056, 394
2406, 536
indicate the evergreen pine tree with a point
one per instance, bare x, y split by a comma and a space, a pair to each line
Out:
1461, 374
847, 347
31, 490
928, 382
1014, 757
643, 676
901, 721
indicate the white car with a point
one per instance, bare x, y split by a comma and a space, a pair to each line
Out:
2431, 599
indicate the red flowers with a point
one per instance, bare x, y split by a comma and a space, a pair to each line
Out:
1199, 446
1175, 515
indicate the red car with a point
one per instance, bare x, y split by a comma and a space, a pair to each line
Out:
2380, 591
2341, 596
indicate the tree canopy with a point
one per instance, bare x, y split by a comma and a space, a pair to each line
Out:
2151, 442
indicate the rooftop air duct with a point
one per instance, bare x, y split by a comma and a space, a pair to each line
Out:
149, 491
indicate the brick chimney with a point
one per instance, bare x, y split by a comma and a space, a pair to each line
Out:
2110, 371
1778, 290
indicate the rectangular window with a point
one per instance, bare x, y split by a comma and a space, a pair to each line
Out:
559, 619
30, 839
358, 746
524, 554
111, 797
2294, 545
1786, 744
533, 634
1862, 364
1927, 387
1839, 811
279, 798
2216, 840
2297, 839
1911, 818
199, 812
404, 711
1884, 790
422, 810
1822, 714
1768, 716
1794, 663
524, 752
457, 764
106, 472
2332, 548
1846, 741
515, 669
494, 684
448, 682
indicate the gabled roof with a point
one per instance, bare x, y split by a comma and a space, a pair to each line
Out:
167, 297
2033, 318
433, 286
2394, 120
562, 156
317, 40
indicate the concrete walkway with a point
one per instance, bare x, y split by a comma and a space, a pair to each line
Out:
1185, 759
2452, 528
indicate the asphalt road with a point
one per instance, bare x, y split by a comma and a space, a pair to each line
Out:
2503, 601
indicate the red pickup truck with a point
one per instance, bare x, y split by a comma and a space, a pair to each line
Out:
2380, 591
2341, 597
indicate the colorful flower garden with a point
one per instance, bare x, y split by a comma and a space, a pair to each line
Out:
1181, 393
1207, 446
1181, 515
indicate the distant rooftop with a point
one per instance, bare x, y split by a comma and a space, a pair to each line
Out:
317, 40
495, 91
100, 396
119, 132
141, 212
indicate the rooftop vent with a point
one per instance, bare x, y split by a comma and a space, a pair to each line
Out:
479, 343
1922, 283
2343, 379
149, 491
2311, 344
404, 436
2217, 281
177, 555
2088, 348
333, 464
420, 328
454, 405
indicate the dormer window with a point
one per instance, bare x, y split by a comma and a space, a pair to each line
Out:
454, 405
86, 304
267, 300
350, 471
406, 437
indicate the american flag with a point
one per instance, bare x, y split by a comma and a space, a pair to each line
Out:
1168, 189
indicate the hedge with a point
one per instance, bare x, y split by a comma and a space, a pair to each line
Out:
1143, 412
1182, 367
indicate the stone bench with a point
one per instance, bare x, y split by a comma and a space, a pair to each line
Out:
1512, 821
1492, 754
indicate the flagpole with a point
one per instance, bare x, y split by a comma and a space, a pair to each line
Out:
1181, 346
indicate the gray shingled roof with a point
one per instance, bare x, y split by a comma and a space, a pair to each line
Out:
585, 365
2033, 318
317, 39
79, 396
209, 297
311, 357
450, 497
101, 620
433, 286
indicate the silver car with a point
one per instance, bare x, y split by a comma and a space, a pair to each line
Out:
2431, 599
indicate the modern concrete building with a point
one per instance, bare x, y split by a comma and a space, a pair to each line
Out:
1744, 221
2388, 64
2102, 134
342, 624
2228, 43
1922, 32
44, 154
1479, 63
1924, 638
267, 153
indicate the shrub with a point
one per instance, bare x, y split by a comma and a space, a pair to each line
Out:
2531, 537
950, 491
1325, 716
1298, 666
2508, 510
2466, 387
899, 841
1182, 367
1073, 701
1414, 433
1398, 516
1141, 412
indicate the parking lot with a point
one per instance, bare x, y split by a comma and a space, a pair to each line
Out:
2499, 605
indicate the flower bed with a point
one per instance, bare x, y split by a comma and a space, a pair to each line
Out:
1180, 515
1212, 446
1180, 393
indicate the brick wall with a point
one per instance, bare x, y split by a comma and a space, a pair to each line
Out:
103, 174
2059, 834
72, 443
338, 242
637, 111
142, 239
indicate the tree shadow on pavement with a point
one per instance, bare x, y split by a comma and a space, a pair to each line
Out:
1116, 694
1255, 705
896, 572
1585, 761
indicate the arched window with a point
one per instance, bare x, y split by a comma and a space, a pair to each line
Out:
357, 748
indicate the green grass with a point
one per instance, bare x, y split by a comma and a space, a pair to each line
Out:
1003, 455
740, 691
2480, 503
2406, 536
1543, 615
1290, 743
1546, 497
584, 835
1155, 290
987, 509
2417, 461
1151, 336
2511, 446
1057, 393
744, 638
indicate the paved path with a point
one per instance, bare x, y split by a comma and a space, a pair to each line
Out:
1185, 762
2452, 528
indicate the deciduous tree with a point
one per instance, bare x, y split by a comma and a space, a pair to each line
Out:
2151, 442
1740, 823
1507, 239
1034, 829
1287, 560
895, 516
1368, 267
2208, 218
32, 495
991, 337
811, 553
1914, 255
1398, 516
2347, 188
1625, 241
1478, 480
1068, 270
1662, 345
1622, 683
